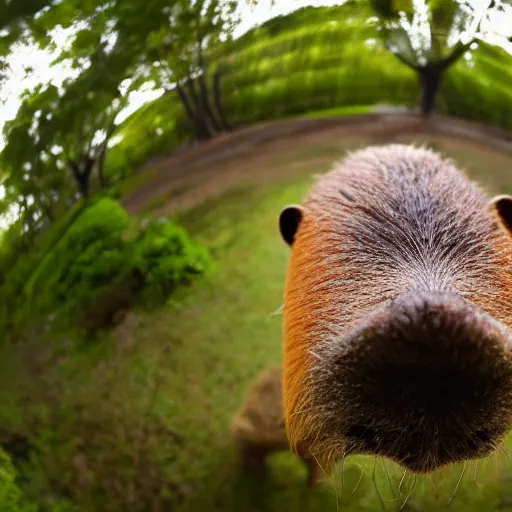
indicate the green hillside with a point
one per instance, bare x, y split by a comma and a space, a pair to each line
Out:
312, 60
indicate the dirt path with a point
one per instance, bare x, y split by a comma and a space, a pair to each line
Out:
263, 152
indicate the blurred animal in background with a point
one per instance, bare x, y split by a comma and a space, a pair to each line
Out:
398, 313
258, 427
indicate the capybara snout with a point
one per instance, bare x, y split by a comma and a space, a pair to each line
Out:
397, 314
425, 381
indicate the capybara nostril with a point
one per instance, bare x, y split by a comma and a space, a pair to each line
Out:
397, 315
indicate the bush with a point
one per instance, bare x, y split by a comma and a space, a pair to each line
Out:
58, 272
10, 494
87, 256
103, 262
166, 256
92, 271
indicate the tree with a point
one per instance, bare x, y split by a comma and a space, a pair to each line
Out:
429, 36
15, 16
86, 118
62, 133
170, 43
178, 53
32, 181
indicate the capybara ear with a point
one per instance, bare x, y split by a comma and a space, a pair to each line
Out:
503, 205
289, 222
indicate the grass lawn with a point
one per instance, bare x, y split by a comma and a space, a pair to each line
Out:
138, 420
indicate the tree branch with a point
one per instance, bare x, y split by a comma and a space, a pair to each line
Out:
402, 59
458, 52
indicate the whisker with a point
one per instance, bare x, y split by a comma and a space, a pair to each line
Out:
389, 480
331, 481
343, 473
503, 450
408, 494
374, 478
475, 473
360, 477
458, 483
278, 311
401, 482
433, 484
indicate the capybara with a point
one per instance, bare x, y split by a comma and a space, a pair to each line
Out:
398, 312
258, 427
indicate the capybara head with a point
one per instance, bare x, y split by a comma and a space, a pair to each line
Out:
398, 312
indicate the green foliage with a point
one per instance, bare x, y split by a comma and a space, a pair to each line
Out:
33, 175
54, 274
10, 494
19, 261
298, 19
63, 276
86, 266
166, 256
12, 498
432, 31
101, 263
320, 59
154, 129
14, 17
48, 239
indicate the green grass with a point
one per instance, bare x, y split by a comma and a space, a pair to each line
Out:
125, 187
350, 110
138, 420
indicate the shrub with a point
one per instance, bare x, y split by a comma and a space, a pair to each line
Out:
87, 256
10, 494
59, 272
12, 499
102, 263
165, 256
90, 271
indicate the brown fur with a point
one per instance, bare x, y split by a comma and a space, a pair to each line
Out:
397, 252
258, 427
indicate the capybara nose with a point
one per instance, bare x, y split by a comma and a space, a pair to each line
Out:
426, 381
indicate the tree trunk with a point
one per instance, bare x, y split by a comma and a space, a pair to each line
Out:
82, 173
200, 130
192, 93
430, 79
101, 165
203, 90
200, 109
218, 102
47, 210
